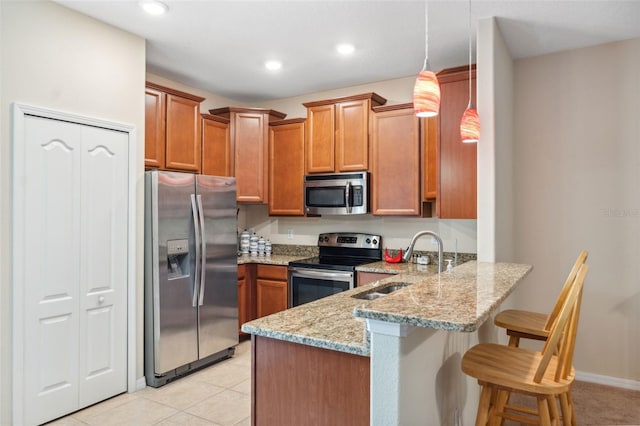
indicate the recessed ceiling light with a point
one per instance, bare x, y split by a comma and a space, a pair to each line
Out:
154, 7
345, 48
273, 65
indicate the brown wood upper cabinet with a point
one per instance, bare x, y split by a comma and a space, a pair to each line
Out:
403, 162
457, 192
286, 167
337, 133
216, 146
249, 141
172, 129
395, 161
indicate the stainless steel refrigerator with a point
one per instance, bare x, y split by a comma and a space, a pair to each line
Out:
191, 274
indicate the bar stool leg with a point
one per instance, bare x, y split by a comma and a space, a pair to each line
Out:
553, 410
543, 411
502, 397
514, 341
483, 406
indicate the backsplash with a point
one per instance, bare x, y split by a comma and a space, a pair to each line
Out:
295, 250
311, 251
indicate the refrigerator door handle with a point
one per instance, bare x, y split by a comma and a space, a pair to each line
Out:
196, 227
203, 255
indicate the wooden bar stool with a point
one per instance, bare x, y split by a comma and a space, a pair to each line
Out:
546, 375
534, 325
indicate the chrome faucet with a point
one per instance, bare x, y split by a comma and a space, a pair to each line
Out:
407, 254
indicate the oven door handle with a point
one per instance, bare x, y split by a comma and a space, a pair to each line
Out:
312, 273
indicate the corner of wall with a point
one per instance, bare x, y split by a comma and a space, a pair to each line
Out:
495, 153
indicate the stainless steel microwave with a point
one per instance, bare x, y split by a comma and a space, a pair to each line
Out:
336, 193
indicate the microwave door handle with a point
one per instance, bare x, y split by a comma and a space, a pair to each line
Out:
346, 195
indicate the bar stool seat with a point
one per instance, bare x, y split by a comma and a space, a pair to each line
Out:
514, 368
522, 324
534, 325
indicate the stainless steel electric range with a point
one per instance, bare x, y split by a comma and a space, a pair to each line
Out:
334, 269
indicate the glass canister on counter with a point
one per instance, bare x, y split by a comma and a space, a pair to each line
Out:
253, 244
245, 241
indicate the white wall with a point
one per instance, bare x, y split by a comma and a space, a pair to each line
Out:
577, 163
495, 149
211, 99
59, 59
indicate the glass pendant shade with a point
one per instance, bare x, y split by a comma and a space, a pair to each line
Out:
426, 94
470, 126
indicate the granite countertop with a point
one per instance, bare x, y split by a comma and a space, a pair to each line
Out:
458, 301
274, 259
383, 267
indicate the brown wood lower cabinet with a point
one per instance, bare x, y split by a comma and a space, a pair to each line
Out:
295, 385
272, 293
243, 299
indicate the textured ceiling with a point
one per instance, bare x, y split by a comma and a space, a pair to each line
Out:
220, 46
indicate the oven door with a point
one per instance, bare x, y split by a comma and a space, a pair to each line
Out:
307, 285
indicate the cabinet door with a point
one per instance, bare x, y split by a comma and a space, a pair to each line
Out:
242, 297
154, 128
429, 131
352, 141
286, 170
216, 148
457, 197
251, 151
395, 163
183, 134
320, 141
271, 296
271, 289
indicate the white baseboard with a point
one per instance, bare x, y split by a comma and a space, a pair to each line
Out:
608, 380
141, 383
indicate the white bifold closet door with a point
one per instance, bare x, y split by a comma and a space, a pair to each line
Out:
75, 266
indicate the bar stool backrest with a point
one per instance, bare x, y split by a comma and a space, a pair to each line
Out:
561, 341
582, 258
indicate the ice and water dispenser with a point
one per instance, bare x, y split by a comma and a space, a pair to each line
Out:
178, 258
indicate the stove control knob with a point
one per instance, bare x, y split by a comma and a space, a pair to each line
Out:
368, 240
375, 242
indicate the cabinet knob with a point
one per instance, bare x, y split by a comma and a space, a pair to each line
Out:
101, 300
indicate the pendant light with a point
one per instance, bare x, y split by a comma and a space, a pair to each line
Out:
426, 92
470, 122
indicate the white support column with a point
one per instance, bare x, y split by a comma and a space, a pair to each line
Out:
416, 377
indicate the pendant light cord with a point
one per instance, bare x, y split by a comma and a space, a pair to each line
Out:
426, 36
469, 30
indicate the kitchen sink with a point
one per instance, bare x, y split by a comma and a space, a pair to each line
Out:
377, 292
391, 288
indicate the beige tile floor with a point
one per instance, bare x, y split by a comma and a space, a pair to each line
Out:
219, 395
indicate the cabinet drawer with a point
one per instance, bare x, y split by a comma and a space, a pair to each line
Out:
272, 272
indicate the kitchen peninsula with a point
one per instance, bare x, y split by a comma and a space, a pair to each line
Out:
391, 360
